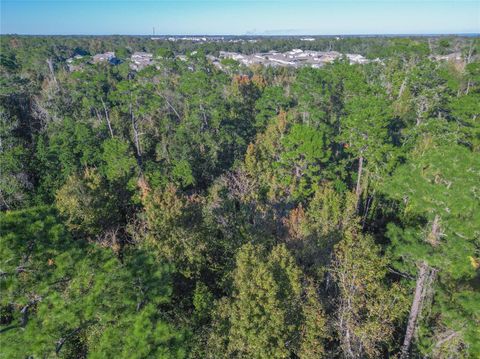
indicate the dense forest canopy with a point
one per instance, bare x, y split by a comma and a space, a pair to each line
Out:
188, 211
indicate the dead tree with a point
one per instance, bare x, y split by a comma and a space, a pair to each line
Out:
135, 134
414, 310
107, 117
425, 278
52, 72
358, 190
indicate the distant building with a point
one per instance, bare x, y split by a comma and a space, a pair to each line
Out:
292, 58
329, 56
193, 39
107, 56
280, 59
72, 59
453, 57
357, 59
75, 63
140, 60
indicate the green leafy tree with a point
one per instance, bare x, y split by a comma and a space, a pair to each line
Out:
65, 149
63, 297
88, 205
314, 328
365, 135
438, 192
367, 308
92, 88
119, 161
305, 152
264, 314
173, 230
269, 105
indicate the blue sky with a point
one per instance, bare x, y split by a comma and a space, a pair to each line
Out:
239, 17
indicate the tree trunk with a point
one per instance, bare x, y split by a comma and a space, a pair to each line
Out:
61, 341
107, 118
98, 115
402, 88
434, 236
468, 88
470, 52
24, 312
170, 106
367, 208
358, 190
50, 67
415, 310
135, 134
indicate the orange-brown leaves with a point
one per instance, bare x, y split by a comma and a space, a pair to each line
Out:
294, 222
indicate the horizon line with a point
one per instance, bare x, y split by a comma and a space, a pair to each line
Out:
257, 35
